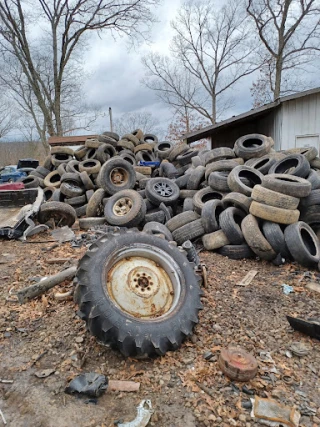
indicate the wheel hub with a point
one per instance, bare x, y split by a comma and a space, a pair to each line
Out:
141, 287
123, 206
163, 189
118, 176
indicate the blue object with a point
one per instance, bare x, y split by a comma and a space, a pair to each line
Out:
11, 174
150, 164
287, 289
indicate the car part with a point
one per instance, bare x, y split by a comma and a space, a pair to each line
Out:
120, 297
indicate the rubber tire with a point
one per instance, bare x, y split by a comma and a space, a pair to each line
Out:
150, 137
273, 214
263, 164
311, 200
156, 198
256, 240
109, 324
62, 214
80, 152
134, 217
155, 216
299, 248
214, 240
47, 181
168, 170
219, 181
105, 152
182, 181
220, 166
90, 166
210, 215
94, 207
238, 200
310, 153
163, 149
71, 189
221, 153
203, 196
89, 222
188, 205
273, 198
48, 193
86, 181
230, 223
287, 184
186, 158
181, 220
62, 150
177, 150
294, 164
236, 251
314, 179
153, 227
73, 178
30, 181
275, 236
76, 201
190, 231
196, 177
246, 152
105, 182
235, 183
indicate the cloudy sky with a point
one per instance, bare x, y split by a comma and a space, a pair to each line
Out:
116, 73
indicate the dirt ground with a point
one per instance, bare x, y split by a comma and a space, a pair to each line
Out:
46, 334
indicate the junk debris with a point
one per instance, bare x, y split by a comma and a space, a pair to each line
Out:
237, 364
310, 327
89, 384
144, 413
271, 413
45, 284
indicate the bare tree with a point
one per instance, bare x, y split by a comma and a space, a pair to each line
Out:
143, 120
48, 62
8, 117
210, 53
289, 31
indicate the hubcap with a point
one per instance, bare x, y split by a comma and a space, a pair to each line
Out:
122, 207
163, 189
141, 287
118, 176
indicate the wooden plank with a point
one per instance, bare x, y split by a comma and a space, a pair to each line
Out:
248, 278
69, 140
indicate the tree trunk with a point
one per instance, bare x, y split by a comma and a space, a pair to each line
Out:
214, 109
277, 83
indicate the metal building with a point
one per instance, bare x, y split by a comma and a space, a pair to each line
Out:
292, 121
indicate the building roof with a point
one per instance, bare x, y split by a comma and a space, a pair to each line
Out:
247, 116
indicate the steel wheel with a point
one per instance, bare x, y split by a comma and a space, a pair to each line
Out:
123, 206
119, 176
143, 283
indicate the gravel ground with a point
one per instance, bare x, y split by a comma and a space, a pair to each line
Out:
46, 334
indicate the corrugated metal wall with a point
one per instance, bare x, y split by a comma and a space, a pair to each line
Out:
300, 122
270, 125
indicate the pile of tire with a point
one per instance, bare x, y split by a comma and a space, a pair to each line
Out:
243, 202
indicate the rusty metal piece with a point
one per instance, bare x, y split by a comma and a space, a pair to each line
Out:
237, 364
141, 287
118, 176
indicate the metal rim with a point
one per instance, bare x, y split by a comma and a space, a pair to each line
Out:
118, 176
163, 189
144, 282
122, 206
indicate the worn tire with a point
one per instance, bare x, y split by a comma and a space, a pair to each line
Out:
203, 196
95, 207
264, 163
287, 184
177, 150
217, 154
220, 166
210, 215
61, 213
303, 244
62, 150
156, 216
214, 240
90, 166
275, 236
230, 222
153, 227
273, 198
71, 189
255, 238
53, 179
190, 231
162, 190
252, 175
123, 328
115, 175
126, 208
294, 164
314, 179
89, 222
252, 145
236, 251
219, 181
238, 200
30, 181
273, 214
80, 152
181, 220
196, 177
310, 153
163, 149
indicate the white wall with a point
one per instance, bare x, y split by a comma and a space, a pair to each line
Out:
301, 122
